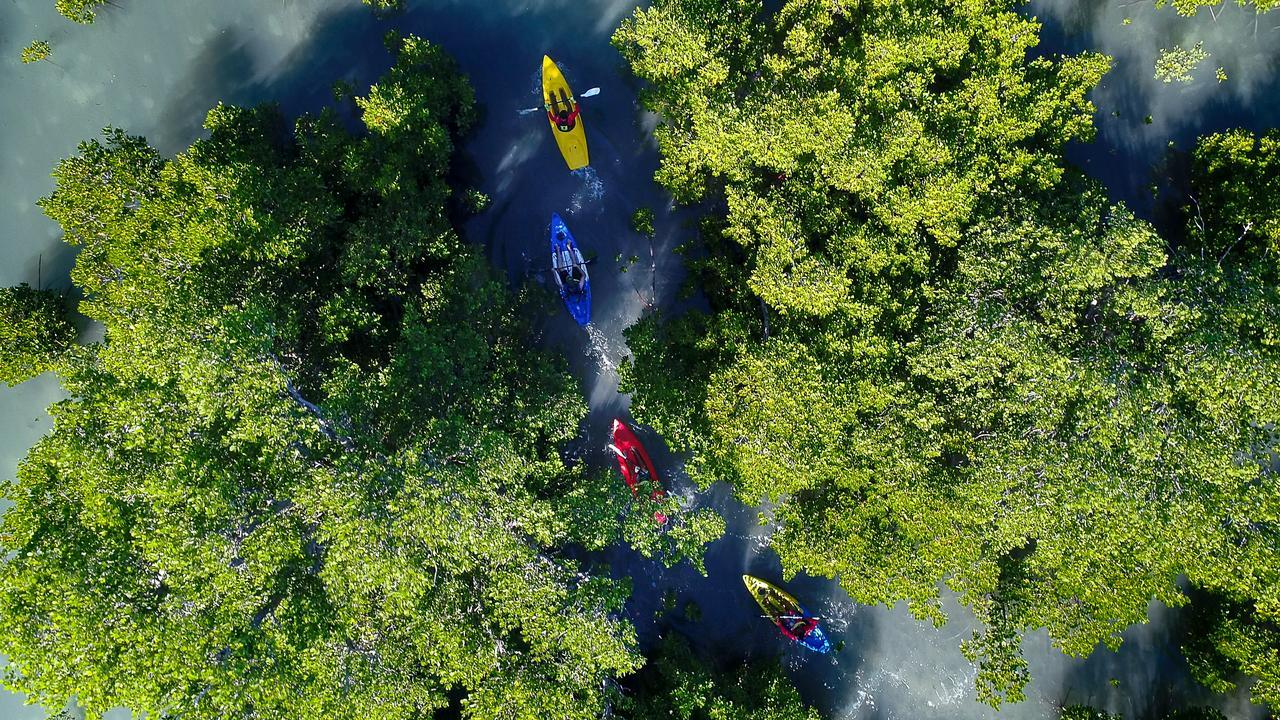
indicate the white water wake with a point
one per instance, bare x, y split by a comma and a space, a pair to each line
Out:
601, 349
591, 191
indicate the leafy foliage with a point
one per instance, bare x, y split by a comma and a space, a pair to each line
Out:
34, 332
946, 357
1176, 65
1235, 213
1084, 712
642, 221
475, 201
683, 535
80, 11
1229, 639
35, 52
385, 5
312, 471
1230, 267
1189, 8
678, 686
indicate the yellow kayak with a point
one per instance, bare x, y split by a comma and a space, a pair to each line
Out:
787, 614
562, 113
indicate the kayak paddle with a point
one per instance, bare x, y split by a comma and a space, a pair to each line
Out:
590, 93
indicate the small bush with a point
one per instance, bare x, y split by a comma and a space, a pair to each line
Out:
1176, 65
476, 201
35, 52
642, 221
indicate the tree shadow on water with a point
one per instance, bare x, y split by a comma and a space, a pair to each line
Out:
1148, 677
218, 74
342, 45
1066, 24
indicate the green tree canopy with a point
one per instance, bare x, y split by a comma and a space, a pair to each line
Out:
1229, 294
313, 469
677, 685
1235, 214
944, 356
34, 332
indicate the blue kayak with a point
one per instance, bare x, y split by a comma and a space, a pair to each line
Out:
570, 271
816, 641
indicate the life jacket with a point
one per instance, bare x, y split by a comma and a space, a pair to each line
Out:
567, 123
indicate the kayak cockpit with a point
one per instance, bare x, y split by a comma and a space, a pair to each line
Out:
570, 269
562, 111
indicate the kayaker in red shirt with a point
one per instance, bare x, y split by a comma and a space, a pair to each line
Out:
565, 120
799, 628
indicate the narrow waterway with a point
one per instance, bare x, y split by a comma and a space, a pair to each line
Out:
154, 68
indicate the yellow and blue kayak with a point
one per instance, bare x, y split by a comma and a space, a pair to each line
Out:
563, 114
788, 614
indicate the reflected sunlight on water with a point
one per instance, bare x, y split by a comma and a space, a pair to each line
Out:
1139, 115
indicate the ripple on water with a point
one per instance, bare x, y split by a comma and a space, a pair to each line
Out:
591, 190
600, 348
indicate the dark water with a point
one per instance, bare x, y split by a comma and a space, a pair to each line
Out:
155, 67
1139, 116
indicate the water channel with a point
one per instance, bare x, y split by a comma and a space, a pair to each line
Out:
154, 68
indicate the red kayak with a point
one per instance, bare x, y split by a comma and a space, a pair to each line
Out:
635, 464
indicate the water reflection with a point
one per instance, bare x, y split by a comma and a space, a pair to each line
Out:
1138, 115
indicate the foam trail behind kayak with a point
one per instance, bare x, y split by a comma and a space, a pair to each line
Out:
591, 191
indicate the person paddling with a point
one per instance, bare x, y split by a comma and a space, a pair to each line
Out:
569, 275
565, 119
798, 628
571, 278
578, 278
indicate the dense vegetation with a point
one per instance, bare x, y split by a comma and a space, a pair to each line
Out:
1229, 273
313, 469
945, 355
34, 332
676, 685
